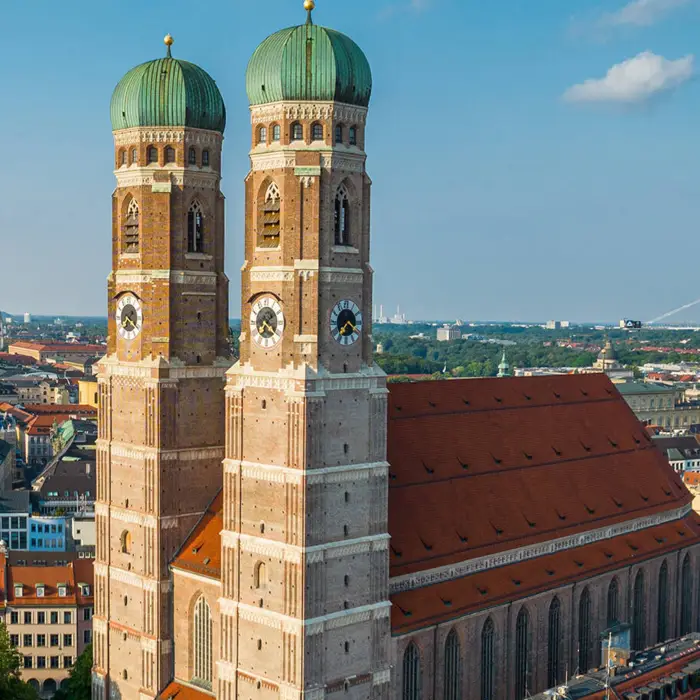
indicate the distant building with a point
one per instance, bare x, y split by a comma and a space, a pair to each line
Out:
15, 509
504, 367
660, 404
608, 363
682, 452
56, 352
8, 394
7, 464
449, 332
87, 391
556, 325
27, 318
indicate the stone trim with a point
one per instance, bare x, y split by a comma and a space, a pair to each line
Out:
130, 277
200, 578
140, 134
109, 366
338, 111
381, 677
409, 582
276, 474
180, 177
139, 452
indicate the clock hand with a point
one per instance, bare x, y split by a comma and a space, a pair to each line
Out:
128, 320
265, 324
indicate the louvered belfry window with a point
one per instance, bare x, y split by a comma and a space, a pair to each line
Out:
662, 621
487, 667
686, 596
131, 228
195, 228
584, 631
411, 673
453, 667
613, 598
271, 217
202, 644
639, 614
522, 654
553, 643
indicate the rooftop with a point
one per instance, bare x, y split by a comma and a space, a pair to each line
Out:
626, 388
72, 575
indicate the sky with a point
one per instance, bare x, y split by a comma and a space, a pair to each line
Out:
530, 160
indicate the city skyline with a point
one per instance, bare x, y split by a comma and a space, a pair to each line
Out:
520, 158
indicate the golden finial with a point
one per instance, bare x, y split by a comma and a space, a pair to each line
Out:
168, 41
309, 5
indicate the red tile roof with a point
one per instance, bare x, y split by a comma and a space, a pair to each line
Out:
74, 409
485, 465
201, 552
59, 347
175, 691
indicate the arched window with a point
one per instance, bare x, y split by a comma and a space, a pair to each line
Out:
639, 610
202, 644
192, 156
122, 157
352, 136
134, 156
339, 133
131, 228
317, 132
584, 631
276, 132
411, 673
269, 217
554, 629
50, 687
169, 154
613, 597
522, 654
152, 153
453, 667
297, 132
487, 665
195, 228
205, 158
662, 621
342, 216
260, 575
125, 542
262, 135
686, 596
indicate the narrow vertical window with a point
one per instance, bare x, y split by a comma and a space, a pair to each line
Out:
276, 132
453, 667
134, 156
269, 218
487, 665
639, 612
342, 217
554, 629
205, 158
352, 136
195, 228
131, 228
125, 541
317, 132
686, 596
169, 154
122, 157
260, 575
192, 156
297, 132
262, 135
613, 597
584, 631
662, 619
339, 133
152, 155
411, 673
202, 644
522, 654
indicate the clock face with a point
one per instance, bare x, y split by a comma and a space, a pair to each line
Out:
346, 322
129, 317
266, 322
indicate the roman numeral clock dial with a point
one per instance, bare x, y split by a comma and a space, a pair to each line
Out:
266, 322
346, 322
129, 317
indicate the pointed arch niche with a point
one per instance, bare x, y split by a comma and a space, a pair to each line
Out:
269, 216
130, 229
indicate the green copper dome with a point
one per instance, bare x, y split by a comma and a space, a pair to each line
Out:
168, 92
309, 63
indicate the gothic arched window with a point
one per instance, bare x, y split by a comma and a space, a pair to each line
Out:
411, 673
453, 667
662, 621
317, 132
122, 157
125, 542
554, 629
152, 153
339, 133
134, 156
202, 644
276, 132
169, 154
195, 228
205, 158
342, 216
686, 596
487, 666
522, 654
613, 598
352, 136
131, 228
297, 132
192, 156
639, 611
262, 135
584, 631
269, 218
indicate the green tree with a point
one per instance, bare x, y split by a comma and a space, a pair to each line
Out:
79, 680
11, 685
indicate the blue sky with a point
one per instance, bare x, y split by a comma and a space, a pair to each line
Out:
505, 185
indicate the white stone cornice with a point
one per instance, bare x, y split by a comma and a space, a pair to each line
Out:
190, 176
280, 474
141, 452
189, 277
140, 134
338, 111
201, 578
381, 677
408, 582
148, 369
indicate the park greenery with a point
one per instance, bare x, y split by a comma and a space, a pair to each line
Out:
12, 687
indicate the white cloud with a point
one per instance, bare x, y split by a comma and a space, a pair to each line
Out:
643, 13
634, 80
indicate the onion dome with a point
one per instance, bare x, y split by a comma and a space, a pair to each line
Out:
608, 352
309, 63
168, 92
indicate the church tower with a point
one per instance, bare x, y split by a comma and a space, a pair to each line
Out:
304, 608
161, 417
